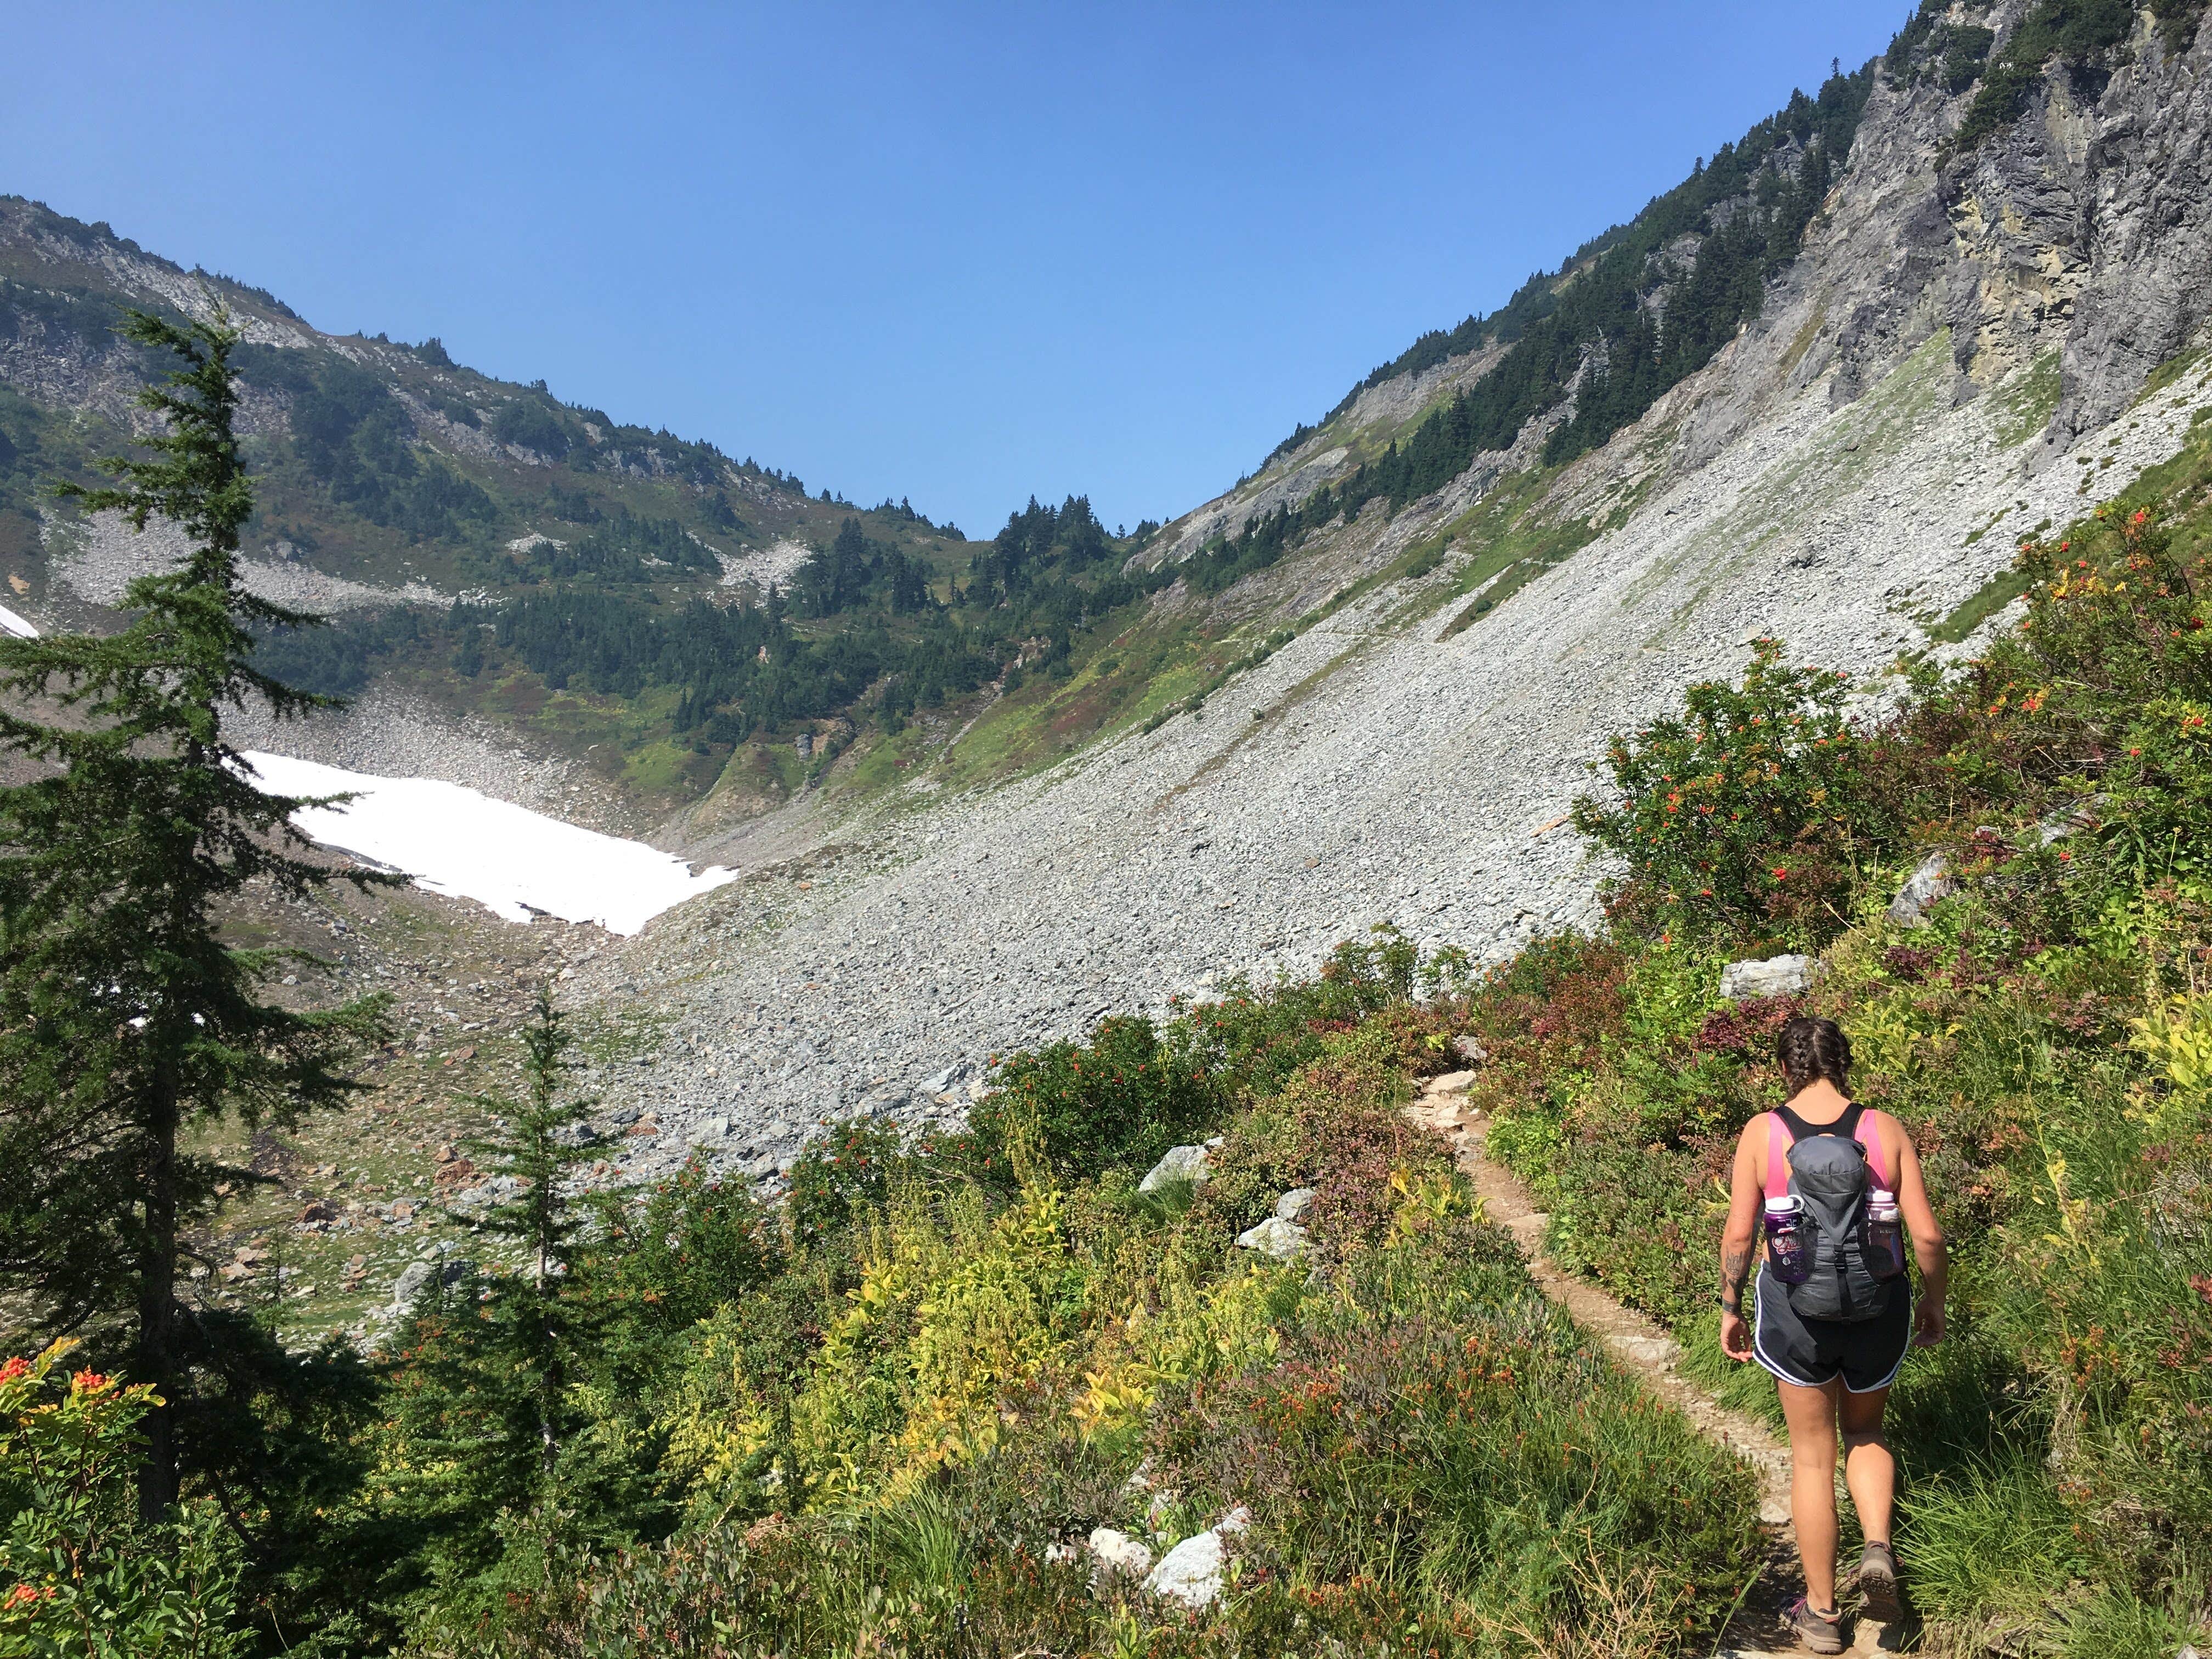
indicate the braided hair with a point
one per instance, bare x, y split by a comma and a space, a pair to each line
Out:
1810, 1050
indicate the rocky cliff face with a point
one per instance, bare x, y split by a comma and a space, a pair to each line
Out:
1959, 354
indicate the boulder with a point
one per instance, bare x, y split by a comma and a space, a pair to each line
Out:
1776, 976
417, 1276
1191, 1572
1470, 1050
1274, 1238
2071, 820
1932, 881
1296, 1205
414, 1278
1180, 1164
1118, 1555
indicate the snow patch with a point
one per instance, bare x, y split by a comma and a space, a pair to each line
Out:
458, 841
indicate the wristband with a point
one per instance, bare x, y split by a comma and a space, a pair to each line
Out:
1726, 1306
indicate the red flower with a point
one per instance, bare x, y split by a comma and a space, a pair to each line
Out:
1781, 874
18, 1366
88, 1382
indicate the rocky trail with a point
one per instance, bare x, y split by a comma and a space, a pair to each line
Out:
1641, 1345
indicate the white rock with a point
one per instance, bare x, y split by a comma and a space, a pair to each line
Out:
1296, 1205
1776, 976
1191, 1572
1180, 1164
413, 1277
1118, 1554
1276, 1238
1931, 882
2071, 820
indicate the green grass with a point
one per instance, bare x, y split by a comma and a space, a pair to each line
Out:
2036, 1036
1431, 1455
1512, 543
2024, 407
1977, 607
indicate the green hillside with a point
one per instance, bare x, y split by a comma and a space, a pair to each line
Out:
597, 593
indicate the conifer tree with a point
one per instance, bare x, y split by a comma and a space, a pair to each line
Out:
126, 1021
487, 1386
536, 1319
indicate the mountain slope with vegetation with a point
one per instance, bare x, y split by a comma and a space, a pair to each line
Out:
590, 585
1352, 711
812, 1299
978, 1391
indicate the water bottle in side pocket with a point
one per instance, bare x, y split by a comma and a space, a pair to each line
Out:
1789, 1249
1885, 1236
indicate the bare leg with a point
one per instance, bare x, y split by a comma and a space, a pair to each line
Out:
1868, 1469
1811, 1415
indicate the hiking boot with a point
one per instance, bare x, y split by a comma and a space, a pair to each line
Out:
1818, 1635
1879, 1599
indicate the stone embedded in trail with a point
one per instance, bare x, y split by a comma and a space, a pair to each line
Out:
1776, 976
1932, 881
1275, 1237
1180, 1164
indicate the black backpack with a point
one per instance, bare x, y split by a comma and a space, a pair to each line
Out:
1832, 1168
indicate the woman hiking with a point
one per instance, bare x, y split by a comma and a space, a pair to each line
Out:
1820, 1188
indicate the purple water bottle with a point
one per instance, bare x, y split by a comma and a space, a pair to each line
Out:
1786, 1255
1885, 1245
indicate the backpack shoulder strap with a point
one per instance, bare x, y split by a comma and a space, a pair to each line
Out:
1779, 1137
1867, 1133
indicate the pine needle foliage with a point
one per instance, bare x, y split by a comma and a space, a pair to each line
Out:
126, 1017
539, 1323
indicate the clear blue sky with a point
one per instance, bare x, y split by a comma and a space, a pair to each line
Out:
960, 253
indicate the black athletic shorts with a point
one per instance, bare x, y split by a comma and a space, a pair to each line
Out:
1814, 1352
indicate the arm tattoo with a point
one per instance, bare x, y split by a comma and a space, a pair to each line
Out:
1735, 1267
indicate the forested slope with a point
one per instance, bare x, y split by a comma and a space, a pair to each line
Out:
590, 585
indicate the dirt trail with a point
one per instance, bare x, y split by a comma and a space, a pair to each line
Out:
1643, 1346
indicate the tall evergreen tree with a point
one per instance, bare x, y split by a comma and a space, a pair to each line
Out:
126, 1021
491, 1387
536, 1322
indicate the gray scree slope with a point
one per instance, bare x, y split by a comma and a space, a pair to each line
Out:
1857, 462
